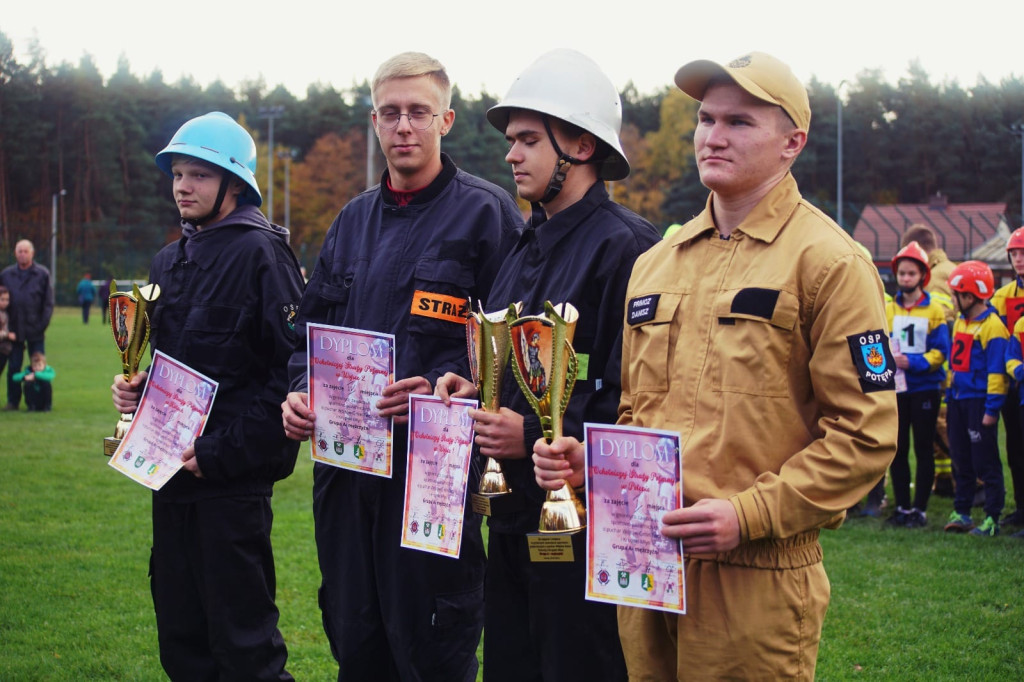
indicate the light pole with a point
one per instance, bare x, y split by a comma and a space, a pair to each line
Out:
839, 153
53, 237
270, 113
371, 175
1018, 130
287, 156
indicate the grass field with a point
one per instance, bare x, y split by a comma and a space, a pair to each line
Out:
74, 546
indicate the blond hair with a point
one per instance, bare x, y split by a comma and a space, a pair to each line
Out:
411, 65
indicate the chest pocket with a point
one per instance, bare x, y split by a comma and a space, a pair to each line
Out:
440, 301
753, 341
650, 342
216, 336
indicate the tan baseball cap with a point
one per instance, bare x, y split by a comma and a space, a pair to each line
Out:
760, 74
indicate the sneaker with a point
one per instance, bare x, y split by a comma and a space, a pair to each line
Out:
899, 518
1014, 519
1018, 534
988, 528
958, 523
916, 518
871, 510
10, 407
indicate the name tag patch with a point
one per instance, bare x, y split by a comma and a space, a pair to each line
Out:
642, 308
873, 361
440, 307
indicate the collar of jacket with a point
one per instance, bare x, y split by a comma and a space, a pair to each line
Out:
922, 302
428, 193
245, 217
550, 231
764, 222
937, 256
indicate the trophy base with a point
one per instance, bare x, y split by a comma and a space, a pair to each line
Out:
551, 547
110, 444
496, 504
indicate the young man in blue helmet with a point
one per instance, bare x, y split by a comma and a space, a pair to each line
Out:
427, 231
561, 119
229, 289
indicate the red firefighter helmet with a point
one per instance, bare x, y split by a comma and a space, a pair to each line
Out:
973, 277
1016, 240
914, 252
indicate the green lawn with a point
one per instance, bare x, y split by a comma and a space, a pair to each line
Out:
74, 546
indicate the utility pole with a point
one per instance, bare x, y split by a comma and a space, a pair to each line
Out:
1018, 130
270, 113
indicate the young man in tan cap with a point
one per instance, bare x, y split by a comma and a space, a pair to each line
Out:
766, 349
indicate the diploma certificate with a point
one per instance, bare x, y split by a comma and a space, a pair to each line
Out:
348, 369
634, 475
172, 413
437, 471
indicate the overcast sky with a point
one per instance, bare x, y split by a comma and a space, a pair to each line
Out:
484, 45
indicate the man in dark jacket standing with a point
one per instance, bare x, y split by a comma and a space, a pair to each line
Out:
229, 289
32, 301
402, 258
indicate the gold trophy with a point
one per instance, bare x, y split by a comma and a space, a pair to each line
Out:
488, 342
130, 325
545, 367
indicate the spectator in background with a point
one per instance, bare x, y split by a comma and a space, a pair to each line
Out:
32, 301
86, 293
37, 384
920, 343
7, 335
938, 288
104, 295
975, 397
1009, 302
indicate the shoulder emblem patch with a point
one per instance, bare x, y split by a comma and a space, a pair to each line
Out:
873, 361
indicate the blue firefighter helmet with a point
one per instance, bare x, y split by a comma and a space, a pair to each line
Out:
217, 139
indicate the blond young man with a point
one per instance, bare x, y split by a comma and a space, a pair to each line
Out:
428, 231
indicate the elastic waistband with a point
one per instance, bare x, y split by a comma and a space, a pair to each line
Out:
795, 552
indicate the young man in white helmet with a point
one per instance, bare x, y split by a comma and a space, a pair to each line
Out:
228, 290
766, 349
428, 232
561, 118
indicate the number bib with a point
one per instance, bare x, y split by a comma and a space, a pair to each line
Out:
1014, 311
912, 333
960, 358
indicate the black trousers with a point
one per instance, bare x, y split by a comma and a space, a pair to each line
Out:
1013, 423
537, 624
213, 581
392, 613
918, 412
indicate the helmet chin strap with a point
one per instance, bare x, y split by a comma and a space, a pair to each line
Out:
562, 166
221, 193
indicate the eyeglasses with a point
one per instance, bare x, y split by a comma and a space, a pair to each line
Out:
420, 119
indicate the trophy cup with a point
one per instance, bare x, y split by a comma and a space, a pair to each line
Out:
130, 325
488, 343
545, 367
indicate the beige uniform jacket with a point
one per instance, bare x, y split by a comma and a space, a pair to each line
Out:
941, 267
767, 352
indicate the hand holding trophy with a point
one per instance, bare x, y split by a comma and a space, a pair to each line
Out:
130, 325
488, 342
545, 366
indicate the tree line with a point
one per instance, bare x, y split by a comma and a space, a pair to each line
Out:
67, 128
